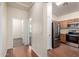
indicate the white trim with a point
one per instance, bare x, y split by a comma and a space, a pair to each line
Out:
35, 52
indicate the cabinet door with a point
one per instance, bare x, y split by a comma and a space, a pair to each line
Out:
63, 24
76, 20
63, 38
70, 21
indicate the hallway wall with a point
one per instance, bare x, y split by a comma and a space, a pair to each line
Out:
49, 25
3, 29
18, 27
38, 14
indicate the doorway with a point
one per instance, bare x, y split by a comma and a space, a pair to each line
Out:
30, 31
17, 32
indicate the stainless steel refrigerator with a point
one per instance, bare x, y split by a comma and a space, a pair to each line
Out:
55, 34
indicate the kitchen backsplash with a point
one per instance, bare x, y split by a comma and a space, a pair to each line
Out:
65, 31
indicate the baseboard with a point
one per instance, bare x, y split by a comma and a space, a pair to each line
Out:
63, 42
9, 53
3, 52
33, 52
36, 53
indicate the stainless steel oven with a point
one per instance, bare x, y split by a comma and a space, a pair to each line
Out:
72, 37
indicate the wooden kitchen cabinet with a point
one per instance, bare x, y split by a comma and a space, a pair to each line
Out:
63, 24
70, 21
73, 20
76, 20
63, 38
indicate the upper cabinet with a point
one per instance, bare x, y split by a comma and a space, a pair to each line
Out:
70, 21
64, 24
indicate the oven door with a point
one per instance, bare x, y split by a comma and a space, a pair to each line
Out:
72, 39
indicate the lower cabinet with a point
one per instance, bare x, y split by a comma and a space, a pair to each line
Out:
63, 38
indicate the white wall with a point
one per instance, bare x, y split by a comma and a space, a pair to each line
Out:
39, 28
69, 16
3, 29
17, 14
18, 28
49, 25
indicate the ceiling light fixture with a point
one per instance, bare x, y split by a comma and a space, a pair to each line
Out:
59, 3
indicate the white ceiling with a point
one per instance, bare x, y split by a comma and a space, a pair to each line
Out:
21, 5
56, 10
65, 9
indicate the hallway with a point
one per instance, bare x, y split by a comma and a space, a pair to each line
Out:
21, 51
15, 21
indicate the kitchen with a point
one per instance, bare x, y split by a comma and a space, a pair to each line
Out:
68, 28
65, 29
